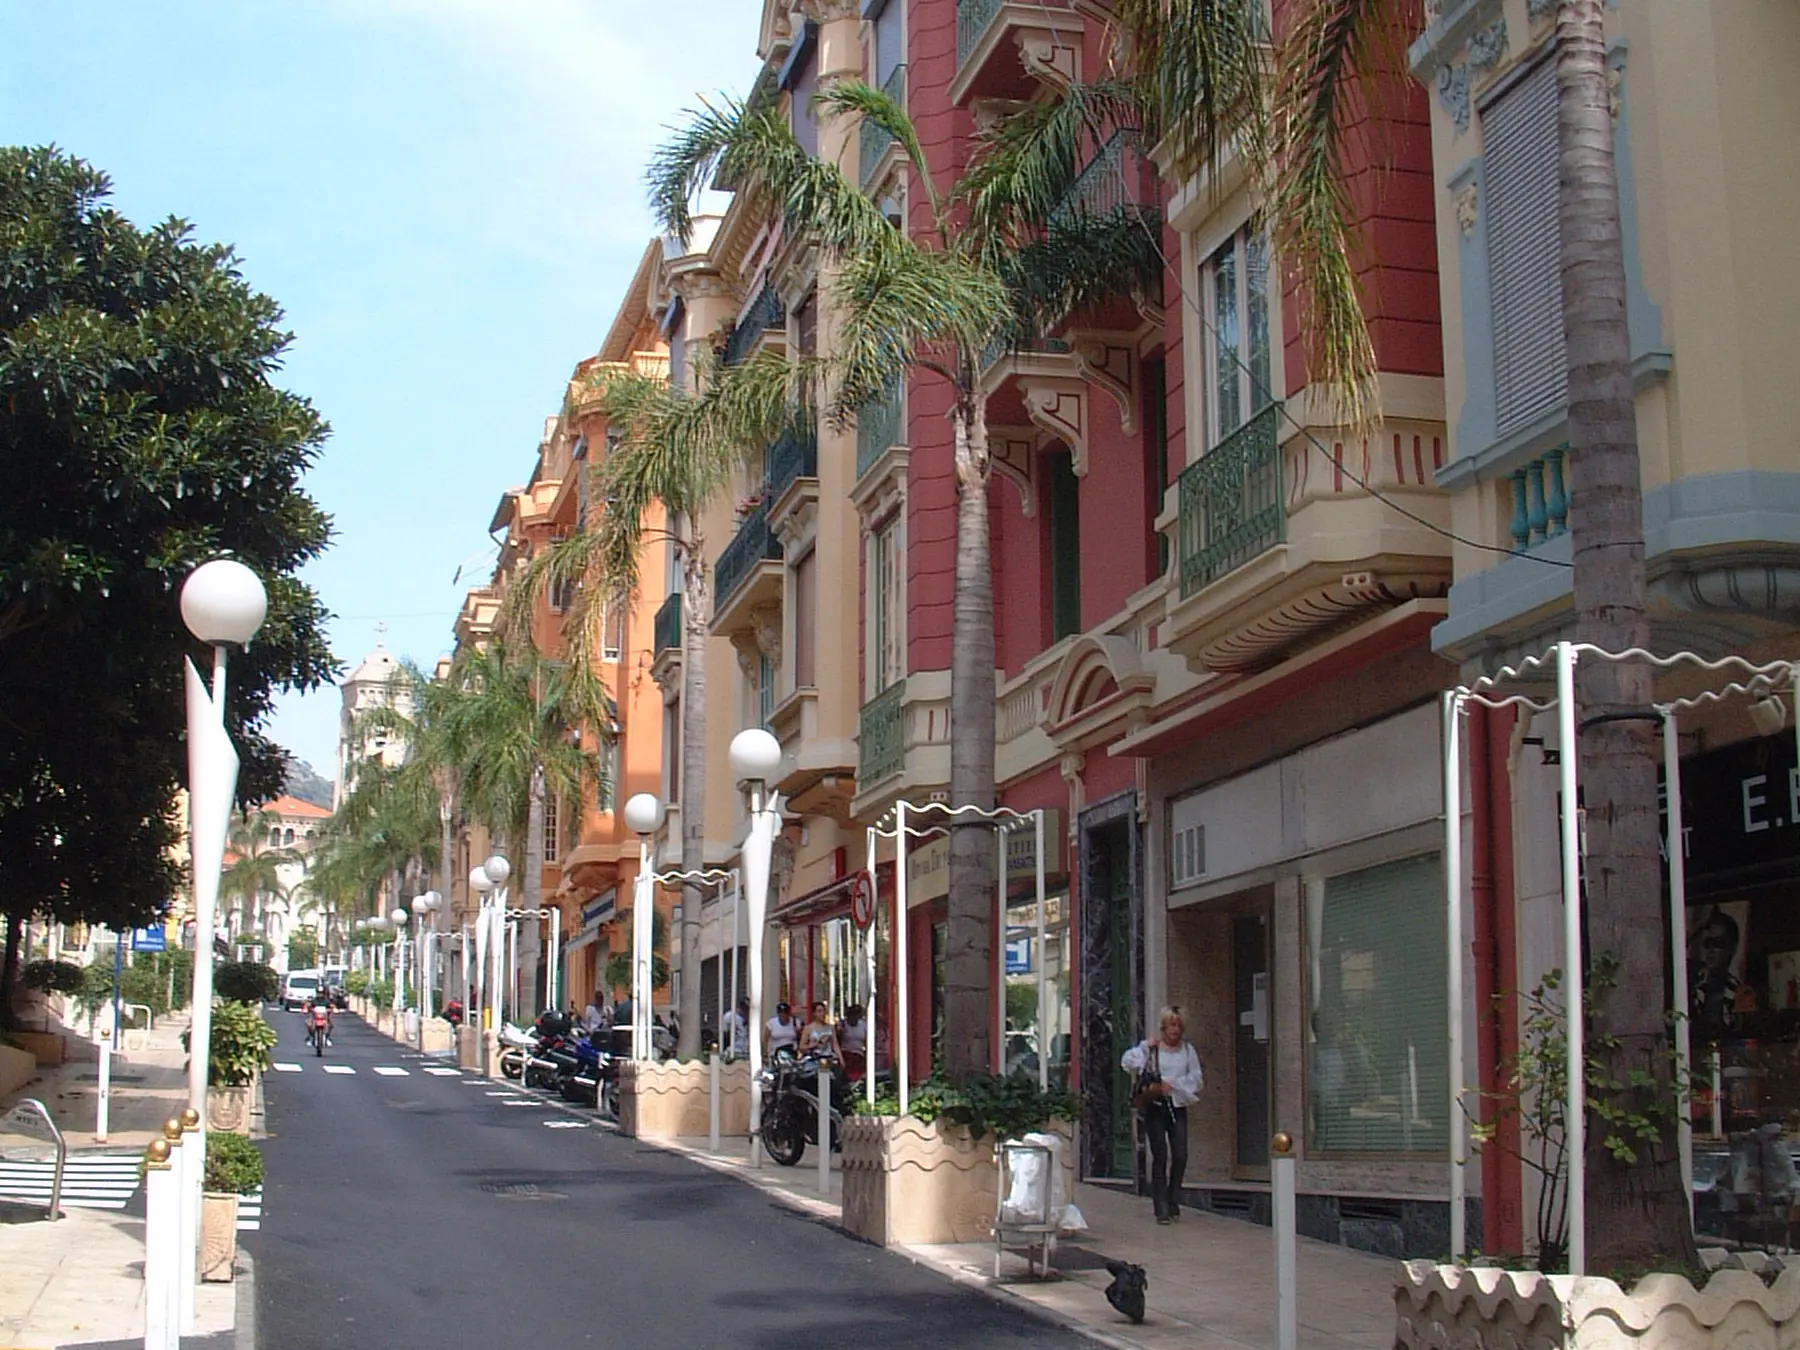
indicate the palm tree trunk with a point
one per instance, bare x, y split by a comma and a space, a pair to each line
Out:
530, 943
696, 604
968, 960
446, 809
1636, 1211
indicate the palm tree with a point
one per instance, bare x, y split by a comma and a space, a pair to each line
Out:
1002, 260
254, 869
1322, 66
421, 712
524, 724
617, 974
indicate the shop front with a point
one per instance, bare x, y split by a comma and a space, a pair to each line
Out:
584, 955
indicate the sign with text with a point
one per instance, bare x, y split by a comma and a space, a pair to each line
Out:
149, 940
1740, 806
928, 864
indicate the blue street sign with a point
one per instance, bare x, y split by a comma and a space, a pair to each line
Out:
1018, 956
148, 940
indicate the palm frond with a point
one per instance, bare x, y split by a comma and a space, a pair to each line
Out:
687, 163
1082, 262
855, 97
1202, 71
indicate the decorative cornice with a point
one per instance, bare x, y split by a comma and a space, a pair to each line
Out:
1452, 86
1487, 45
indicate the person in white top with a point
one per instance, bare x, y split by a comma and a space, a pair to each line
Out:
781, 1031
735, 1040
1166, 1080
853, 1039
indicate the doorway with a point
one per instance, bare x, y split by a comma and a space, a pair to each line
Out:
1111, 958
1251, 1039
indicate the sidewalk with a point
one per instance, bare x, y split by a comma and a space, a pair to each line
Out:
1211, 1278
80, 1280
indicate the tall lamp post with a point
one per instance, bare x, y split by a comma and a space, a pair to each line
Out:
398, 918
643, 817
755, 756
489, 881
425, 907
223, 604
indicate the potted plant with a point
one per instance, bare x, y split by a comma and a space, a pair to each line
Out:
234, 1167
930, 1176
241, 1042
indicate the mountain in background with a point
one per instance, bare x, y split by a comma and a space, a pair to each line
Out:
308, 786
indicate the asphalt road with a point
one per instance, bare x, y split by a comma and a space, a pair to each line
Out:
412, 1209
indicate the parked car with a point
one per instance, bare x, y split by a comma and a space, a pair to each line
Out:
298, 988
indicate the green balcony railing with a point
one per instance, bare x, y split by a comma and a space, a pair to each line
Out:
873, 141
881, 735
880, 424
793, 454
1540, 500
1232, 506
668, 625
1109, 183
764, 313
753, 543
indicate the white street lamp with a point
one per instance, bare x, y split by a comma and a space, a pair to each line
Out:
494, 873
426, 906
223, 604
643, 817
398, 919
755, 756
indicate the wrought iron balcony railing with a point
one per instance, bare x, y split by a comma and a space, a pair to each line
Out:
972, 19
880, 424
881, 735
1232, 506
873, 141
1110, 182
765, 313
753, 543
668, 625
793, 454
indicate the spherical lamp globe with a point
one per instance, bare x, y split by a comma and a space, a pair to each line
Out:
498, 869
480, 881
755, 756
644, 814
398, 917
223, 602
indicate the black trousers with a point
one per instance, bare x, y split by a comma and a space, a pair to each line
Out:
1166, 1129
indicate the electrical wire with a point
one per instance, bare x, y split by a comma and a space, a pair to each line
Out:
1262, 389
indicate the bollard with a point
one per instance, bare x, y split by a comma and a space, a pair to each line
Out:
712, 1119
824, 1130
103, 1106
161, 1249
1281, 1179
191, 1170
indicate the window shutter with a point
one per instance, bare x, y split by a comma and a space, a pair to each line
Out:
1378, 1079
1525, 249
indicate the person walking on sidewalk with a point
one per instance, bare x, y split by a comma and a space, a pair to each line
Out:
1167, 1079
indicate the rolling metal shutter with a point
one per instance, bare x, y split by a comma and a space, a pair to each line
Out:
1520, 162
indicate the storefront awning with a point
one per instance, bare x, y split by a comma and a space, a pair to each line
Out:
815, 904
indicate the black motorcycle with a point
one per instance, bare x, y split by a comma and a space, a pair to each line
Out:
554, 1058
790, 1107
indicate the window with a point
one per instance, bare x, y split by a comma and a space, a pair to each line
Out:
552, 827
1235, 284
1377, 1073
1062, 523
886, 599
800, 77
805, 620
806, 324
889, 46
765, 688
1520, 166
612, 635
671, 747
1187, 855
562, 589
1155, 422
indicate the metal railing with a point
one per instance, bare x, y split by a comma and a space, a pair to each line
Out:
668, 626
1105, 185
881, 735
764, 313
753, 543
873, 140
972, 19
1540, 497
793, 454
1231, 502
880, 424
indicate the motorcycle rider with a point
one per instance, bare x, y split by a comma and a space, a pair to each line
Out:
318, 1018
782, 1032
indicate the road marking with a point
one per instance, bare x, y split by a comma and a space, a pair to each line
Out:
388, 1071
339, 1068
565, 1124
250, 1208
436, 1072
522, 1101
287, 1068
98, 1181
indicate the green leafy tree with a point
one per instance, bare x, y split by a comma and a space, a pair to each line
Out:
142, 436
252, 874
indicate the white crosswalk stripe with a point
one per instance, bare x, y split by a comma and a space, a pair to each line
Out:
389, 1071
565, 1124
288, 1068
437, 1072
522, 1101
503, 1093
250, 1211
95, 1181
339, 1068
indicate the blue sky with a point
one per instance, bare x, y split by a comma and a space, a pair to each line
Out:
446, 196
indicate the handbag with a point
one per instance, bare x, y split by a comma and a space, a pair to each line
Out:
1143, 1092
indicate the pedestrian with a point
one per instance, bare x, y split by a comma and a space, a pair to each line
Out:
1167, 1079
736, 1039
820, 1036
782, 1032
592, 1019
853, 1040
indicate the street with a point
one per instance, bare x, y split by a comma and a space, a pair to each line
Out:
405, 1207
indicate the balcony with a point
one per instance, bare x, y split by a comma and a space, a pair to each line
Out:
1281, 546
792, 455
874, 142
880, 735
1114, 180
1005, 47
668, 626
880, 425
1540, 501
748, 572
765, 312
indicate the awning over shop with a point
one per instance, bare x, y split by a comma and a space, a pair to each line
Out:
816, 903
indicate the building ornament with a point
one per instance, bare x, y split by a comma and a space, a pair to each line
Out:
825, 11
1540, 10
1058, 405
693, 286
744, 644
1110, 361
1467, 208
767, 622
1487, 45
1012, 451
1049, 57
1453, 93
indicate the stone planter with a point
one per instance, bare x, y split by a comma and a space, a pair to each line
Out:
228, 1108
670, 1100
1440, 1307
48, 1047
907, 1181
218, 1235
17, 1068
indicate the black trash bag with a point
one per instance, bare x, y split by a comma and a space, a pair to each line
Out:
1126, 1292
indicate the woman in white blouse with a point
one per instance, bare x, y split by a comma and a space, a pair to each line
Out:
1166, 1080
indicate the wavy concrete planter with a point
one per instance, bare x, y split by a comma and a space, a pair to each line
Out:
218, 1236
671, 1099
909, 1181
1454, 1307
228, 1108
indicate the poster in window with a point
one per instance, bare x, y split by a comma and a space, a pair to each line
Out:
1784, 981
1718, 938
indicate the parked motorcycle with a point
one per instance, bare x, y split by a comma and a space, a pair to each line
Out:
516, 1044
595, 1072
790, 1107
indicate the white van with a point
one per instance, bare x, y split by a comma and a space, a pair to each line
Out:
298, 988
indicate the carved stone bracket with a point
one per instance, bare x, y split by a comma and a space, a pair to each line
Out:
1058, 405
745, 647
1487, 45
1111, 362
1012, 451
1453, 93
1049, 56
1467, 210
767, 619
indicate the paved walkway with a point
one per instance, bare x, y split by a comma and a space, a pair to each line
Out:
80, 1280
1211, 1279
